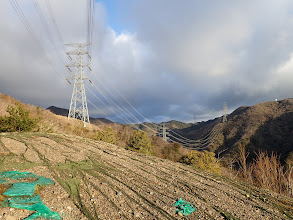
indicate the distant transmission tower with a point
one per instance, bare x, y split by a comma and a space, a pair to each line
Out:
78, 106
225, 112
164, 132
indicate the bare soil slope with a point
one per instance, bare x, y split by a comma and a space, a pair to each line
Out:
95, 180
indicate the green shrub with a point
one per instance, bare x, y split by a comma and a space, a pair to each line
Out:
202, 160
108, 135
18, 120
139, 142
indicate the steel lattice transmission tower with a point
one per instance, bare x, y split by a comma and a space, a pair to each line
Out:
164, 132
78, 106
225, 112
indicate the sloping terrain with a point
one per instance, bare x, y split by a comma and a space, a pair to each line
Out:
198, 130
267, 126
64, 112
48, 120
95, 180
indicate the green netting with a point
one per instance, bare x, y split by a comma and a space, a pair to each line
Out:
20, 189
184, 207
21, 194
12, 175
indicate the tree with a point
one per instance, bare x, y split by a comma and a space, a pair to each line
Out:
202, 160
139, 142
108, 135
18, 120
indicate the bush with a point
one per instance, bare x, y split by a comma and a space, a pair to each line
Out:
139, 142
267, 172
108, 135
171, 152
202, 160
18, 120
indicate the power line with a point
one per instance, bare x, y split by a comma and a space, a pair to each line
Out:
203, 143
59, 36
118, 99
198, 140
31, 33
122, 108
47, 29
120, 116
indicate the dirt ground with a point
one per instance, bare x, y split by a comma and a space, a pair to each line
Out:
95, 180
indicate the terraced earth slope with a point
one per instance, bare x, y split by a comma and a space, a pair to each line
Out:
95, 180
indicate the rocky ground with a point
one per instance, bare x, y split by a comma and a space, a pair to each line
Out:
95, 180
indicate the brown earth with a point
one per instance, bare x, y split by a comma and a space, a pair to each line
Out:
96, 180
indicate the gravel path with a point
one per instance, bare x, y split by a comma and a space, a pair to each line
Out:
96, 180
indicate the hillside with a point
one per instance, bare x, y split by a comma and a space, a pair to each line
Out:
95, 180
198, 130
64, 112
265, 126
48, 121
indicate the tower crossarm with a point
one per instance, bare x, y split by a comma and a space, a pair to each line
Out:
77, 45
70, 78
77, 52
77, 65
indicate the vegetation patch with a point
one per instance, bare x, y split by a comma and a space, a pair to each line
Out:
18, 120
202, 160
139, 142
108, 135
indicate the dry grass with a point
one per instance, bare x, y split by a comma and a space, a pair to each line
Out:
266, 171
3, 188
49, 122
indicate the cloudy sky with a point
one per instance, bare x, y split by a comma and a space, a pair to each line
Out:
161, 59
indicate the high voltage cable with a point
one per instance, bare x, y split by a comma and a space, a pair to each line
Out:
90, 23
59, 36
200, 146
92, 26
47, 29
110, 101
197, 140
125, 109
121, 117
27, 26
115, 97
190, 140
96, 107
214, 133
